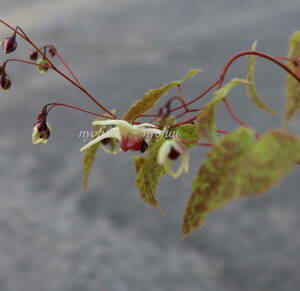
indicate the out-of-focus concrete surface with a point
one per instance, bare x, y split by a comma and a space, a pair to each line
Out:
55, 237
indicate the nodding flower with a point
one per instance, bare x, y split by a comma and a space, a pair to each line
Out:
9, 44
5, 82
41, 132
171, 150
130, 137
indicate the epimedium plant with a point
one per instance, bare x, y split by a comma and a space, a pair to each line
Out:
240, 163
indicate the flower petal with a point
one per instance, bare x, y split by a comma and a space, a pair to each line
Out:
164, 151
112, 133
183, 168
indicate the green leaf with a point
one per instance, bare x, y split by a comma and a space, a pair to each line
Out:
206, 120
215, 183
90, 154
151, 97
251, 87
88, 160
190, 74
272, 157
186, 132
149, 172
292, 92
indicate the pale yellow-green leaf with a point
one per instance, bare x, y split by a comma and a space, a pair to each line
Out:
251, 87
88, 160
215, 183
292, 92
149, 173
190, 74
90, 154
206, 120
151, 97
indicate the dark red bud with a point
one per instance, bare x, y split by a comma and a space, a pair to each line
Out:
5, 82
9, 44
52, 51
173, 154
34, 55
43, 129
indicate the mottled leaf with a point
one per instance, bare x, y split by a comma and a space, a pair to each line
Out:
188, 132
272, 157
240, 168
206, 120
215, 183
151, 98
149, 173
292, 105
251, 87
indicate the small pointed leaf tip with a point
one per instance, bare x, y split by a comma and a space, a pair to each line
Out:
251, 87
292, 90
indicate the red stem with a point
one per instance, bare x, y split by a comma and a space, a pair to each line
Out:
54, 104
25, 37
58, 55
222, 77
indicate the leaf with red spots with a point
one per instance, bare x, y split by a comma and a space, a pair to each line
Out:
292, 92
215, 183
236, 168
275, 154
149, 173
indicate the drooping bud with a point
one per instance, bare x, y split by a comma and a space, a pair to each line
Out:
5, 82
9, 44
41, 132
34, 55
52, 51
43, 66
173, 154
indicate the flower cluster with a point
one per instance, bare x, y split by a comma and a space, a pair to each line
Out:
137, 138
236, 166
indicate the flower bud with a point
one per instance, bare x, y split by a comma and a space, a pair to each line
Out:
52, 51
41, 132
173, 154
44, 66
34, 55
9, 44
5, 82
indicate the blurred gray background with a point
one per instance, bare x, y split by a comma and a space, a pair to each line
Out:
53, 236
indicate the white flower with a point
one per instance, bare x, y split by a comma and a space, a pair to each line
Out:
169, 151
41, 132
131, 137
